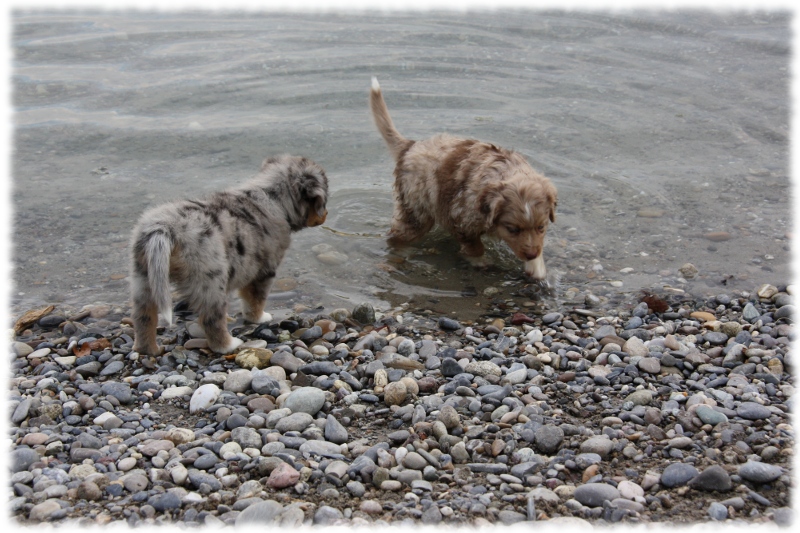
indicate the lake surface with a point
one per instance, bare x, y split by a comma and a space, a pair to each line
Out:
665, 133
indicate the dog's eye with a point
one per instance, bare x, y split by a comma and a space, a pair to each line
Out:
513, 230
540, 228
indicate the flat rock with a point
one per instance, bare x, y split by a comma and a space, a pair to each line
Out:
759, 472
595, 494
677, 474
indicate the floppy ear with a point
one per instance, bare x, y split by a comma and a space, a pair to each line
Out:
552, 199
314, 190
491, 202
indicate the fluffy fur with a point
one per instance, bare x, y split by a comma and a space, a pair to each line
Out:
468, 187
230, 240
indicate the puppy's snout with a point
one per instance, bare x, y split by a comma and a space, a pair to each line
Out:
530, 255
315, 219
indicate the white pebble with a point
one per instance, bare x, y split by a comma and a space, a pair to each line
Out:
204, 397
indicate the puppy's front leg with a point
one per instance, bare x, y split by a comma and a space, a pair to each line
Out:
254, 296
473, 250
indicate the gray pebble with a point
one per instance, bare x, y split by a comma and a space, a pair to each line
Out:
595, 494
717, 511
713, 478
305, 400
263, 513
334, 431
677, 474
759, 472
327, 515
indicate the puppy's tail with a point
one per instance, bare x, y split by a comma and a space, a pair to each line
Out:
157, 251
396, 142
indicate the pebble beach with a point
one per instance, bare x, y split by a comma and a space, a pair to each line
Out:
664, 412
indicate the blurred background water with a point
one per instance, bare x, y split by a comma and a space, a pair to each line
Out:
666, 134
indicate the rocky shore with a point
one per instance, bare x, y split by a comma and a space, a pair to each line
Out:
668, 412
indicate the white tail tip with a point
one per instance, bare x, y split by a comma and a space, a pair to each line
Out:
375, 85
167, 316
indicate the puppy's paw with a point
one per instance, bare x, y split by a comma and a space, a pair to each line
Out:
264, 318
535, 268
231, 346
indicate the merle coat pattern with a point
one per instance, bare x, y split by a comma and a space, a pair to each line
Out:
230, 240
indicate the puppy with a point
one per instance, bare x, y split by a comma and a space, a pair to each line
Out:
468, 187
233, 239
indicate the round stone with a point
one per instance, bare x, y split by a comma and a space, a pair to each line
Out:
717, 511
283, 476
305, 400
548, 439
165, 502
22, 458
238, 381
395, 393
261, 513
710, 416
327, 515
677, 474
294, 422
651, 365
364, 314
483, 369
640, 397
449, 417
595, 494
713, 478
759, 472
599, 445
203, 398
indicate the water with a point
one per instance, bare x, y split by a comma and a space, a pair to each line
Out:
682, 116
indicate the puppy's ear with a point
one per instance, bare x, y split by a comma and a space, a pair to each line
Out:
314, 190
552, 199
491, 202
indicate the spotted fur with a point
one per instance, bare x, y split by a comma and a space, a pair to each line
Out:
230, 240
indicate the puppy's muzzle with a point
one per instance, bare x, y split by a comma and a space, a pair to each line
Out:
315, 219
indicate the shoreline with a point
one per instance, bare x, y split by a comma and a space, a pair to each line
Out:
413, 417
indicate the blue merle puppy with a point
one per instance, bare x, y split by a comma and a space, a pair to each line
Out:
234, 239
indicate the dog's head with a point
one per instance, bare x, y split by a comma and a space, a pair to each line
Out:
308, 187
518, 211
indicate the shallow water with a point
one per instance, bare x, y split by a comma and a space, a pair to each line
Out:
657, 128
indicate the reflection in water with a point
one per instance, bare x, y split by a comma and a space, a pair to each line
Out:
666, 134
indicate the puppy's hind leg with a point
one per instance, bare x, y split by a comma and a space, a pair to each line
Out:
145, 316
254, 296
214, 320
407, 228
